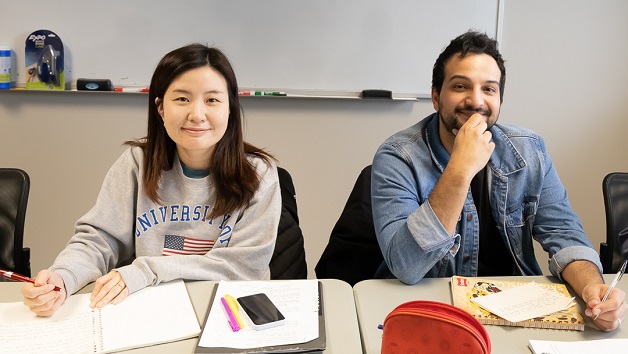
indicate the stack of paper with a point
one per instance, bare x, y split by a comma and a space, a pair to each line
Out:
524, 302
298, 301
466, 289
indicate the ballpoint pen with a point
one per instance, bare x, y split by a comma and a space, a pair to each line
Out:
233, 323
614, 283
233, 305
18, 277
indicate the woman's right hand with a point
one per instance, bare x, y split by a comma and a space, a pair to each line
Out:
40, 297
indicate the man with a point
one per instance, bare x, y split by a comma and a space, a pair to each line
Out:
459, 194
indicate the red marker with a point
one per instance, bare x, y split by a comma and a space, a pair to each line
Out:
19, 277
131, 89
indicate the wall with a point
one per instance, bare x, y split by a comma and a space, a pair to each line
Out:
567, 71
566, 79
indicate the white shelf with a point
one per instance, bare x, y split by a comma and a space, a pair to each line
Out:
289, 94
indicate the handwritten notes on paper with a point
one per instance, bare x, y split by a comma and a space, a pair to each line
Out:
296, 299
524, 302
140, 320
68, 331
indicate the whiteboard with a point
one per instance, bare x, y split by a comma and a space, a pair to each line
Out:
330, 45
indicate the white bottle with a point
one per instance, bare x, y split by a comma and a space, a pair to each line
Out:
5, 68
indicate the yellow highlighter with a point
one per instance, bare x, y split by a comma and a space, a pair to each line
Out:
233, 305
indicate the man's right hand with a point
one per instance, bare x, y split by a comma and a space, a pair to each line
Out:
40, 297
471, 151
472, 147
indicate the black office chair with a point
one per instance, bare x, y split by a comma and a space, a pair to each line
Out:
352, 253
14, 188
288, 260
615, 191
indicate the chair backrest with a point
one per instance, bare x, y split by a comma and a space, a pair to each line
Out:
288, 260
352, 253
14, 189
615, 191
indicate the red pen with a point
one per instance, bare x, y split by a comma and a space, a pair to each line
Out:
19, 277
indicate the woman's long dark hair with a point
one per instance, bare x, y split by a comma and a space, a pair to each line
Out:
233, 175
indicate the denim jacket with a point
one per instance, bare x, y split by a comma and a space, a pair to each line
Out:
527, 199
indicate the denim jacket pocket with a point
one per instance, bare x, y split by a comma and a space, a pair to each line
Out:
520, 223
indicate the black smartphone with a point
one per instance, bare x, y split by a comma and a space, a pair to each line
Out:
262, 313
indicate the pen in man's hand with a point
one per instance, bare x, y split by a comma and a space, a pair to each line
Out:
18, 277
614, 283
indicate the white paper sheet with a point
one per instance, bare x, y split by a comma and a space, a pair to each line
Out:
524, 302
296, 299
579, 347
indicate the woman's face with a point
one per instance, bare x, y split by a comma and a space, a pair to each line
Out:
195, 111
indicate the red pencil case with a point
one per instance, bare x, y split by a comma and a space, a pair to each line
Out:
433, 327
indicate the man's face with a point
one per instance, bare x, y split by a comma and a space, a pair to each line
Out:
471, 86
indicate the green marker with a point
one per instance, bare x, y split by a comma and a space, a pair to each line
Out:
261, 93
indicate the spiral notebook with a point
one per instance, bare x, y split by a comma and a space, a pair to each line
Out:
143, 319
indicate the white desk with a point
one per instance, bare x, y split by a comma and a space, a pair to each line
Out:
341, 323
374, 299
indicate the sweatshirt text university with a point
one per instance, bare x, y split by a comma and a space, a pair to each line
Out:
179, 213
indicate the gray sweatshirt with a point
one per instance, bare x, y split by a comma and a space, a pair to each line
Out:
173, 239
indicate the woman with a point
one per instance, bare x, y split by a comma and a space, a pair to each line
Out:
191, 200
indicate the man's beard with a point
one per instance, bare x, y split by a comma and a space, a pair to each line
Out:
450, 122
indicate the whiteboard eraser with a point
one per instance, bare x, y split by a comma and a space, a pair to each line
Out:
94, 85
377, 94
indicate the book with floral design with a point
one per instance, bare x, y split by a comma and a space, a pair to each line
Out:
463, 289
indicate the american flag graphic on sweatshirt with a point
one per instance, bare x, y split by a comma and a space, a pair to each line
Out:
174, 244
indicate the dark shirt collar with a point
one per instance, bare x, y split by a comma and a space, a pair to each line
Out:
192, 173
